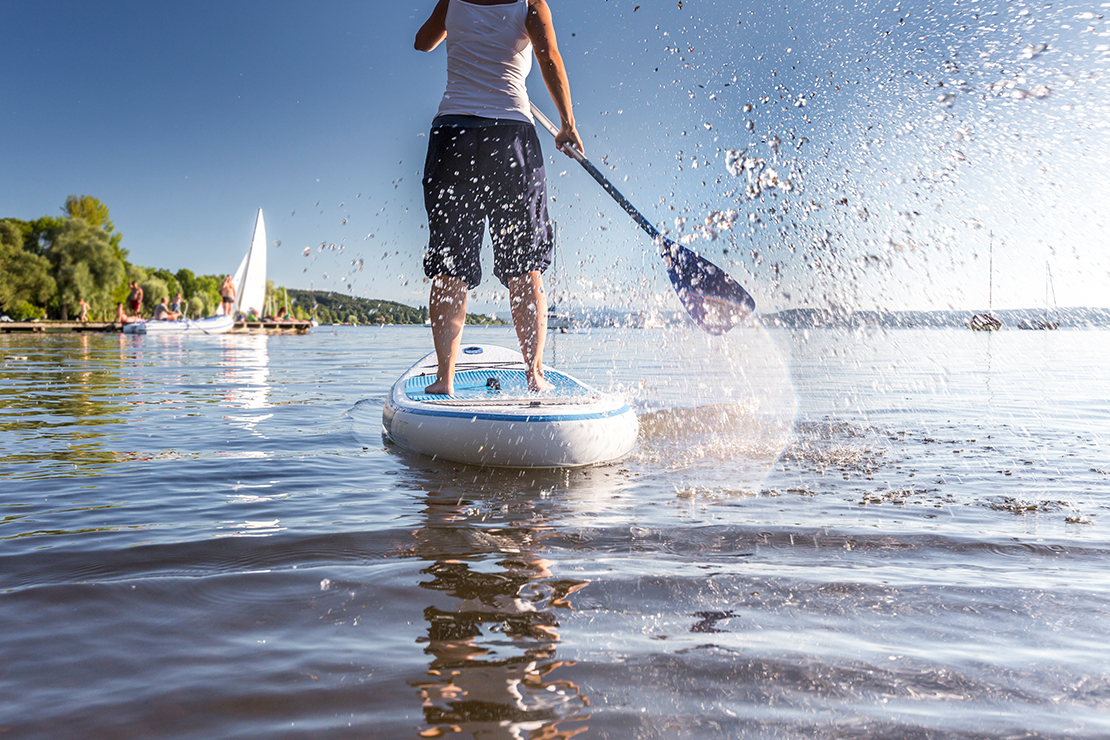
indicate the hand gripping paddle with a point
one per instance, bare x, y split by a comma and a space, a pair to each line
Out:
714, 300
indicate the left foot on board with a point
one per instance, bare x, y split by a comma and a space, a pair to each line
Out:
538, 384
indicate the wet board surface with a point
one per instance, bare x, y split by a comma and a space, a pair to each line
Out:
496, 386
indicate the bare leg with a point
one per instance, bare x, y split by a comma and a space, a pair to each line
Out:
529, 306
447, 308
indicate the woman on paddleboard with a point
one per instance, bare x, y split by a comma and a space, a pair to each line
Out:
484, 162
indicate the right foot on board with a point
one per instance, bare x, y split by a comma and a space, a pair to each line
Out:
440, 388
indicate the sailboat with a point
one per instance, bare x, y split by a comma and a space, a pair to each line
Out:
1048, 323
986, 321
250, 278
250, 294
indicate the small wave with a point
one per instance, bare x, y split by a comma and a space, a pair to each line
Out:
715, 543
213, 557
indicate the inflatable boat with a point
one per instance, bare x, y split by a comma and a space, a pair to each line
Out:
213, 325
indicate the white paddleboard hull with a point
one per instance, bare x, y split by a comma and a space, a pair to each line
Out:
545, 430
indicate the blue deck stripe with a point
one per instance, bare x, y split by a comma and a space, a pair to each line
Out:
430, 411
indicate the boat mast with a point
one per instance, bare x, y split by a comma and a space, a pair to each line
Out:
554, 252
1049, 288
990, 268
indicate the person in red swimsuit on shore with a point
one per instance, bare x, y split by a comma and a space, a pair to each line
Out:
135, 299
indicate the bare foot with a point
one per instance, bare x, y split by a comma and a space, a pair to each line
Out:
441, 388
538, 383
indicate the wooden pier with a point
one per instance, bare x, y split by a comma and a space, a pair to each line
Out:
108, 327
287, 326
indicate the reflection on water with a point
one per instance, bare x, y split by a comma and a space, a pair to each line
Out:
927, 560
68, 398
245, 373
493, 624
57, 399
493, 646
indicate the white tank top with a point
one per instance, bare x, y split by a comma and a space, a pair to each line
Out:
489, 57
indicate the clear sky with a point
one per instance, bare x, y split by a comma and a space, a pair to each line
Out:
905, 138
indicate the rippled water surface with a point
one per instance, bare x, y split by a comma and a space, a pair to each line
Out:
833, 534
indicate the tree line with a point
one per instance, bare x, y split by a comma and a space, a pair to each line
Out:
51, 264
337, 308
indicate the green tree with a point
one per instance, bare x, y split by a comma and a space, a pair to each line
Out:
96, 214
92, 210
199, 305
85, 266
154, 290
206, 295
168, 278
187, 281
39, 234
25, 282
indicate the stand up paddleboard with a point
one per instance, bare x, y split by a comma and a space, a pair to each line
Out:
493, 419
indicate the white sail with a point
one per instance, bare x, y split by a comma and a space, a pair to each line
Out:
250, 278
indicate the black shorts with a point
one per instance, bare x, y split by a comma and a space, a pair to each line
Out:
479, 169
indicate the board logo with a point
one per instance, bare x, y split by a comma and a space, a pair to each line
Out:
472, 351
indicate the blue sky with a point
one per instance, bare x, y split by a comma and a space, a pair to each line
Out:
905, 138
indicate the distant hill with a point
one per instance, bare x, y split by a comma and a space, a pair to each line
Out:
800, 318
332, 308
817, 318
336, 308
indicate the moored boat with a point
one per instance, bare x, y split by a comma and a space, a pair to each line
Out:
250, 291
220, 324
985, 321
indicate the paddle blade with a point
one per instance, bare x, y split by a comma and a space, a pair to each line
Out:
714, 300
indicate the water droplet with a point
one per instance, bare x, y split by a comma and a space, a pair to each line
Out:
1032, 51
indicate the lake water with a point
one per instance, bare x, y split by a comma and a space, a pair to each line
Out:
899, 534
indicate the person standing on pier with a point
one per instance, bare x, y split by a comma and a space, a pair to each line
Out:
227, 296
135, 299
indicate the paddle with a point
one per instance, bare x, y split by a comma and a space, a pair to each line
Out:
714, 300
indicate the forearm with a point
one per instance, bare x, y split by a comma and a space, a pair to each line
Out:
555, 78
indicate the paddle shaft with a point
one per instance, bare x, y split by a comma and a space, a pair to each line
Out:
595, 173
714, 300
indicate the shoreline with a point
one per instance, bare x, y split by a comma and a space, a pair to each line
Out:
107, 327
